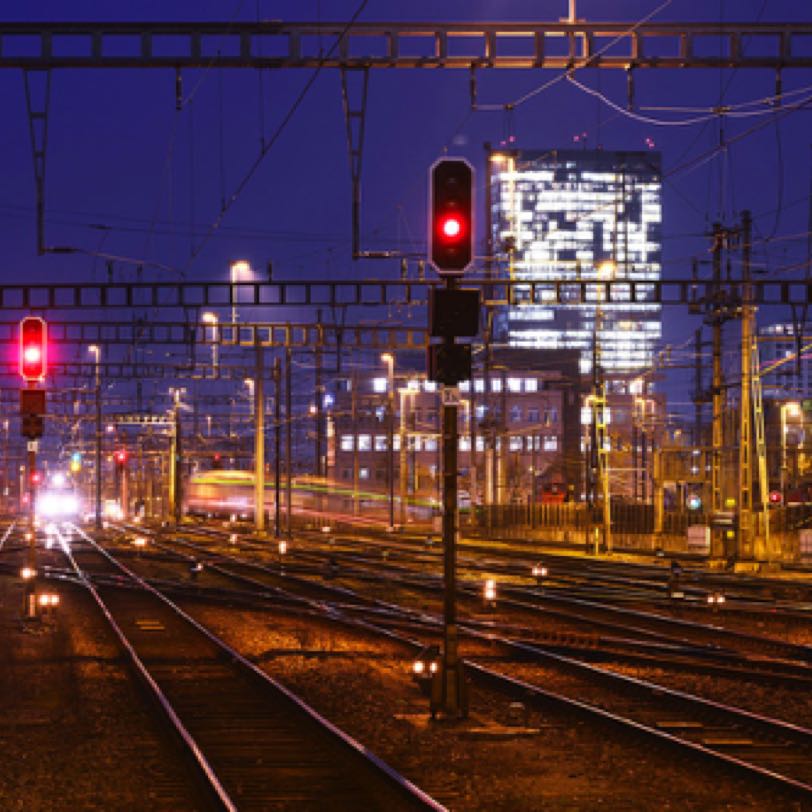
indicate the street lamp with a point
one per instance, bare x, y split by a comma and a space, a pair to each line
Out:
789, 409
236, 268
96, 350
389, 359
211, 318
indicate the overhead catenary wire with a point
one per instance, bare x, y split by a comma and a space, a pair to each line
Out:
267, 146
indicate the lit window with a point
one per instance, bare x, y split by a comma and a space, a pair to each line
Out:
480, 443
496, 384
380, 384
514, 384
531, 385
479, 412
396, 442
363, 473
550, 443
430, 444
380, 442
346, 442
465, 386
465, 444
429, 386
364, 442
515, 444
479, 385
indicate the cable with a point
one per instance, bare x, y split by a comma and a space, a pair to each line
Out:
227, 204
636, 116
593, 58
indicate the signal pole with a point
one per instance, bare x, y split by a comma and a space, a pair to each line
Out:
452, 313
99, 437
259, 444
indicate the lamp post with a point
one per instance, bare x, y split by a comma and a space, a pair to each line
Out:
389, 358
211, 318
96, 350
236, 268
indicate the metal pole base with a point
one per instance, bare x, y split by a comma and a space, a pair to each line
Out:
449, 693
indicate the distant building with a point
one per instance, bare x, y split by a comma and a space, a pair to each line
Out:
560, 215
517, 433
791, 378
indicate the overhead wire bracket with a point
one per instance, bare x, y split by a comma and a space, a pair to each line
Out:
38, 103
355, 119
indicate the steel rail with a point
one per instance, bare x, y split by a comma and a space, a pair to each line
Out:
765, 724
212, 781
396, 780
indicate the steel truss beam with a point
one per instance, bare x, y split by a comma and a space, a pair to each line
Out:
42, 298
560, 45
276, 335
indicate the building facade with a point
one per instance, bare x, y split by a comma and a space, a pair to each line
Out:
583, 215
513, 420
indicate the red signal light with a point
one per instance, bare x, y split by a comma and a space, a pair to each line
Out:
451, 213
121, 456
775, 497
33, 348
36, 478
451, 227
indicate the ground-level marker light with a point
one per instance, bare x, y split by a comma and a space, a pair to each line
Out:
539, 571
489, 590
283, 547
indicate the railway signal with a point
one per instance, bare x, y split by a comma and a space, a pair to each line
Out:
33, 349
451, 214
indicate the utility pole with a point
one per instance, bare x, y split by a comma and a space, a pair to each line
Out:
717, 386
277, 409
698, 396
356, 507
99, 437
288, 437
746, 536
176, 464
259, 442
403, 470
319, 412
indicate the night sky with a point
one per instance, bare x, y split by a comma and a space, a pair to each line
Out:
130, 176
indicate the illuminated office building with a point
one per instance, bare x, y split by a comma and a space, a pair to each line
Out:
562, 215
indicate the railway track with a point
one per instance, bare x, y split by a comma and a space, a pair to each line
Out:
254, 743
644, 640
766, 750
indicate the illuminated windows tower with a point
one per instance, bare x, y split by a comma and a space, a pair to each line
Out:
587, 215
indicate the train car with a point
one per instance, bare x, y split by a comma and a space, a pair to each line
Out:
226, 493
220, 493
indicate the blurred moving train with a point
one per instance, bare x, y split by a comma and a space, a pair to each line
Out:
231, 493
